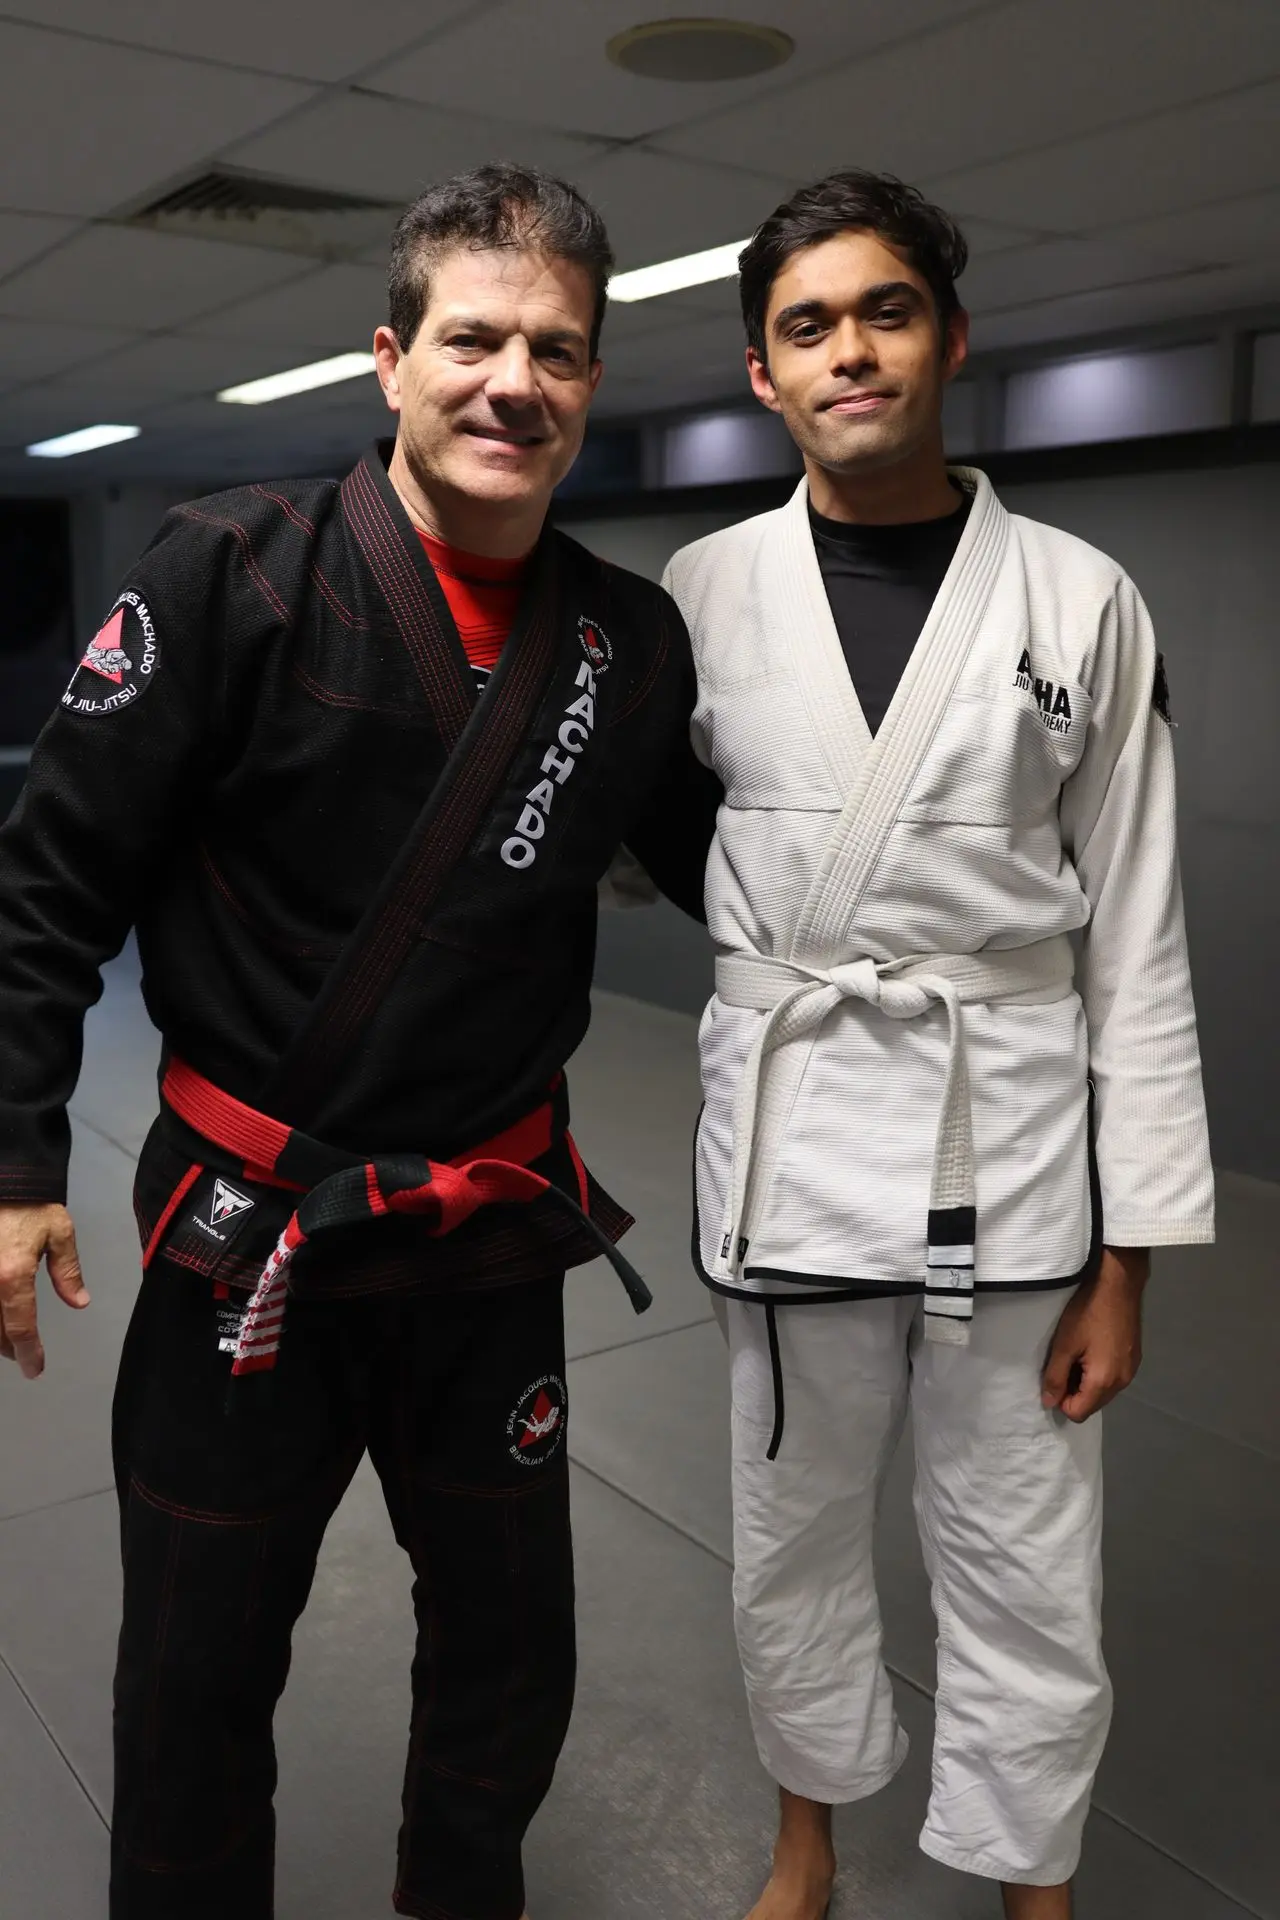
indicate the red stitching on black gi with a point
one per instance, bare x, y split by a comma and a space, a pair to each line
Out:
197, 1514
266, 934
450, 698
174, 1201
287, 507
332, 699
254, 571
645, 688
300, 520
28, 1182
228, 1266
157, 1650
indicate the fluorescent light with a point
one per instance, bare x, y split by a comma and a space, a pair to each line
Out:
320, 373
85, 440
668, 276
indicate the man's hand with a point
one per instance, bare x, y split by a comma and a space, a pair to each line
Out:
28, 1235
1097, 1348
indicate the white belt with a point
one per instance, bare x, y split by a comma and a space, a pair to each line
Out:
797, 999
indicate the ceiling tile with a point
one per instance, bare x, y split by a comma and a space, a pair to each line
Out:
545, 64
657, 207
701, 345
41, 411
35, 353
335, 307
287, 36
1235, 231
24, 235
1199, 153
168, 366
140, 280
1006, 79
1055, 267
362, 143
85, 127
1077, 316
624, 323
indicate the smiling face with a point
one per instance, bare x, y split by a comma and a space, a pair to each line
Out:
493, 393
857, 357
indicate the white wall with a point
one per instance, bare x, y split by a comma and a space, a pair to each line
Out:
1204, 551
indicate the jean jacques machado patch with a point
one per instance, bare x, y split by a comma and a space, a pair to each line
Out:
536, 1426
120, 661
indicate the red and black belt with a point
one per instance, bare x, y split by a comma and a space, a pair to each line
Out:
341, 1190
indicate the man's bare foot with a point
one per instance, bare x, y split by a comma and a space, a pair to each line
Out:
804, 1864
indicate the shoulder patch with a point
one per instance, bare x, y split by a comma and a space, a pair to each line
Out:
119, 663
1160, 691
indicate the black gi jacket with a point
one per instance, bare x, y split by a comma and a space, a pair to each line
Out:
365, 897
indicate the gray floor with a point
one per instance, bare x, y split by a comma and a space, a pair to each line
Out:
660, 1808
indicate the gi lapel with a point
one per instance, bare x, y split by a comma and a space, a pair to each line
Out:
887, 769
415, 600
484, 737
797, 607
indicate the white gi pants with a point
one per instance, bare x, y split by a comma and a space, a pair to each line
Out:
1008, 1501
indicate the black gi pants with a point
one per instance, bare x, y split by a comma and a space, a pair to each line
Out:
460, 1400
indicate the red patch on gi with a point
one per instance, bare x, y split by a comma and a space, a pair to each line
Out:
536, 1427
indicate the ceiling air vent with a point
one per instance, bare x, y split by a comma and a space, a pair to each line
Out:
271, 213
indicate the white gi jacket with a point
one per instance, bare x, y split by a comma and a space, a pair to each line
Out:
897, 1059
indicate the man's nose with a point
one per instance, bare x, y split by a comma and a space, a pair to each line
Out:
852, 347
511, 376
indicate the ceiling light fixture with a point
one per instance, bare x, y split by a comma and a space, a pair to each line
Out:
320, 373
83, 440
699, 50
669, 276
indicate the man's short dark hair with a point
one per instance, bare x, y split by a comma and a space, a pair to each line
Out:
852, 202
494, 207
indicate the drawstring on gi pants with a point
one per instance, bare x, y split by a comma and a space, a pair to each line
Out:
779, 1400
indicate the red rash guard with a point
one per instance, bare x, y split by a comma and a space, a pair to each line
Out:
483, 596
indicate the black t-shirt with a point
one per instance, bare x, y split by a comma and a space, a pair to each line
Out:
881, 583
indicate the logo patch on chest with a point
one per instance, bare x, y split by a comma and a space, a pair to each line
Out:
1053, 702
595, 644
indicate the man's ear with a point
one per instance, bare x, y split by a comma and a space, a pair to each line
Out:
387, 355
955, 344
762, 381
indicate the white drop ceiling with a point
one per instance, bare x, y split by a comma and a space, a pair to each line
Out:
1115, 162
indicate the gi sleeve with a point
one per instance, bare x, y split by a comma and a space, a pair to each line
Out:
113, 776
671, 837
1119, 826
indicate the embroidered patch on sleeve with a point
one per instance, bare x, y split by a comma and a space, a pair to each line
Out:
1160, 691
119, 663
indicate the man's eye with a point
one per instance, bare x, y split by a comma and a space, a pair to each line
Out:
892, 316
810, 330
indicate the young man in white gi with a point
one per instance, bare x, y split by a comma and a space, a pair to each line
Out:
940, 1134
